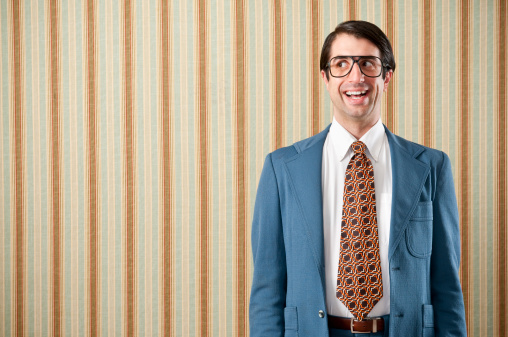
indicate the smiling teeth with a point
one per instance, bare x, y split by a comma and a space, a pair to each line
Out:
349, 93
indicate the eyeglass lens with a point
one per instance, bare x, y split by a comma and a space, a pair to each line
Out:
370, 66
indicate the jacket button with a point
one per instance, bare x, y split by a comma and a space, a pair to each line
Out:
321, 313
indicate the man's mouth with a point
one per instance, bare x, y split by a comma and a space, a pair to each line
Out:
356, 94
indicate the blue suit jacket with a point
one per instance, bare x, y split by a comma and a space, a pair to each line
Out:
288, 288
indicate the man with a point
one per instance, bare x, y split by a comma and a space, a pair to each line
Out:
356, 229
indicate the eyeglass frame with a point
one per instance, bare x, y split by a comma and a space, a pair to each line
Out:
383, 65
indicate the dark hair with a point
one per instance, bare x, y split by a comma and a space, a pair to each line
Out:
360, 30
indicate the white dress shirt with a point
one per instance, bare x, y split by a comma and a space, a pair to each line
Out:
336, 155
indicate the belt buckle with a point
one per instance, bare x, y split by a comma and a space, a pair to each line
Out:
374, 325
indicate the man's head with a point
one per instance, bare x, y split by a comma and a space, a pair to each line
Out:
356, 66
360, 30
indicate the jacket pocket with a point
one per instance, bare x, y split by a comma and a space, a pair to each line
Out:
428, 320
291, 318
419, 231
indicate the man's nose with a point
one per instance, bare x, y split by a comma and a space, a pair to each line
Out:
356, 74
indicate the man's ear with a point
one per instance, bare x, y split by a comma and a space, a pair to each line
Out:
388, 77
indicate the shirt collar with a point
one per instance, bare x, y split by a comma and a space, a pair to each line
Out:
373, 139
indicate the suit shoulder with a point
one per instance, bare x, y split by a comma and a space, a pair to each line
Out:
432, 156
298, 147
282, 153
421, 152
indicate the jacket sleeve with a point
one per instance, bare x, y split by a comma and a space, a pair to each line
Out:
447, 299
268, 292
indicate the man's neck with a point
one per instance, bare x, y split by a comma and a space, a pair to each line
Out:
357, 128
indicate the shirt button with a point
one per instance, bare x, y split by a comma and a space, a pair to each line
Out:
321, 313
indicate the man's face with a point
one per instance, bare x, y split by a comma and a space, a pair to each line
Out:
348, 107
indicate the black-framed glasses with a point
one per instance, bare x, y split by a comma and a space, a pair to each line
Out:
370, 66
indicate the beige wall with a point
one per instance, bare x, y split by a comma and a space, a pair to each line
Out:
132, 137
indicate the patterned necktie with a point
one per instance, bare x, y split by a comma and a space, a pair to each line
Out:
359, 280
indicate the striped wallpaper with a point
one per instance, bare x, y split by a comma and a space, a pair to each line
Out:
133, 133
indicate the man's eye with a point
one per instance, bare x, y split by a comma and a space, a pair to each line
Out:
367, 64
341, 63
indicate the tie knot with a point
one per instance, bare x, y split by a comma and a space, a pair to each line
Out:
358, 147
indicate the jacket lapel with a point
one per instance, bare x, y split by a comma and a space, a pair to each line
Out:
304, 172
408, 177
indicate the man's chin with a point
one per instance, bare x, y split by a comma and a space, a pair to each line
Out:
359, 113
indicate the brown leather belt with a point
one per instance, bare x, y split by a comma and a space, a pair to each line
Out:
368, 325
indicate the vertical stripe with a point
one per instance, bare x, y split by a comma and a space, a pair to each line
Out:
140, 161
54, 99
277, 54
403, 68
289, 45
391, 93
453, 86
474, 191
302, 96
28, 165
111, 318
153, 38
241, 167
37, 202
5, 301
352, 10
415, 52
185, 170
129, 174
7, 157
93, 314
439, 32
427, 72
104, 262
225, 280
66, 181
481, 152
181, 269
18, 168
218, 265
481, 182
115, 9
491, 157
74, 311
502, 187
46, 166
315, 77
80, 234
214, 176
165, 137
464, 173
144, 65
202, 72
